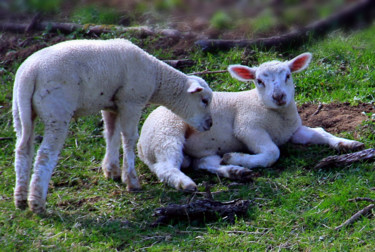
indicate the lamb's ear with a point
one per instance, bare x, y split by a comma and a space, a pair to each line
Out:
300, 62
242, 73
194, 87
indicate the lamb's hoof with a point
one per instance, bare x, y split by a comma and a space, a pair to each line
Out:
353, 146
225, 159
21, 204
133, 189
241, 174
20, 197
246, 175
37, 207
112, 172
190, 188
133, 186
132, 183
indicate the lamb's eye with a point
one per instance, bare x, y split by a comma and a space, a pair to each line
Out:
287, 77
260, 83
205, 102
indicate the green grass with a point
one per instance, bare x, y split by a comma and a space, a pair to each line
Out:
294, 206
92, 14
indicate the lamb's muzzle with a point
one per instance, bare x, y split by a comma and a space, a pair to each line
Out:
207, 124
279, 98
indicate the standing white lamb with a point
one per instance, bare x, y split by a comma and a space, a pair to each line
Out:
255, 121
82, 77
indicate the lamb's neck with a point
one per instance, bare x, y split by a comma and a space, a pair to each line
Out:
292, 107
290, 112
169, 84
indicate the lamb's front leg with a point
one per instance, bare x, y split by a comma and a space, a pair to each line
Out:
212, 164
266, 152
168, 171
306, 135
129, 118
112, 135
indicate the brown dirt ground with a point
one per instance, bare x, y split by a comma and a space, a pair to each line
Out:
335, 117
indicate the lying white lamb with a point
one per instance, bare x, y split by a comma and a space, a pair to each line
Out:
255, 121
82, 77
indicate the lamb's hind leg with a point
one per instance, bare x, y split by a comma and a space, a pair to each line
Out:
23, 161
110, 165
306, 135
53, 140
213, 164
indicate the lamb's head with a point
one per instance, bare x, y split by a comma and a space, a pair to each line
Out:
273, 80
194, 106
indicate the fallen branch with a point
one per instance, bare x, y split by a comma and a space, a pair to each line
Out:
352, 219
66, 28
346, 159
179, 64
36, 19
361, 12
361, 199
201, 210
208, 72
6, 138
207, 190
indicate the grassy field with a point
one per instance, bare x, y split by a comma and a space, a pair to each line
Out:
294, 207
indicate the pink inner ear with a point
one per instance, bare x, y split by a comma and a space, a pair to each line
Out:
243, 73
299, 63
196, 90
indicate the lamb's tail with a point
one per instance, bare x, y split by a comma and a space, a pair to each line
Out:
23, 90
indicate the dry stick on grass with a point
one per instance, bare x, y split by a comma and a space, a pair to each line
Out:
352, 16
208, 72
352, 219
180, 63
361, 199
66, 28
346, 159
6, 138
201, 210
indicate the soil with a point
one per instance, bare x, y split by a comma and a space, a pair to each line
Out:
335, 117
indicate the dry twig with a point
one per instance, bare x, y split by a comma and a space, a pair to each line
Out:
208, 72
66, 28
346, 159
201, 210
180, 63
318, 109
5, 138
361, 199
352, 219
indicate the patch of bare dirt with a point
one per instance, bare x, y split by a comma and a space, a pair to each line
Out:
335, 117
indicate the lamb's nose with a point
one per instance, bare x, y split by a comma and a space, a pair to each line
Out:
209, 123
279, 98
